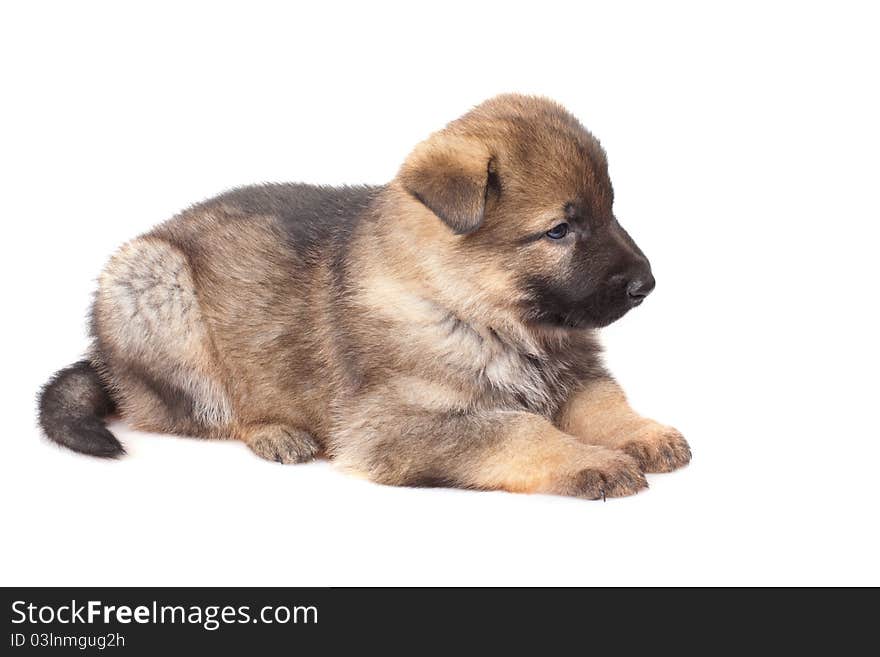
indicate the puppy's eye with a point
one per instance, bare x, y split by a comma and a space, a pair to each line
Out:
558, 232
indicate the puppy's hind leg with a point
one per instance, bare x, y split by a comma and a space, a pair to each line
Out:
153, 345
279, 442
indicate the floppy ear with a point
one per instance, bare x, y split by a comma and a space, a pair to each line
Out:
449, 174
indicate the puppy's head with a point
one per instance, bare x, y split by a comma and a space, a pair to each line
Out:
522, 189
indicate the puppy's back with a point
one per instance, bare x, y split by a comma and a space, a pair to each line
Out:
313, 217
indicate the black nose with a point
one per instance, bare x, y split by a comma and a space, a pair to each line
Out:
639, 288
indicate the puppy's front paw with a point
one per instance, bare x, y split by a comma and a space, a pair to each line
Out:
615, 474
282, 444
657, 448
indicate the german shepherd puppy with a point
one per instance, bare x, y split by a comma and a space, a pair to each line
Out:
439, 330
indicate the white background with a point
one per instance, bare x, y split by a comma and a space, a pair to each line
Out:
743, 145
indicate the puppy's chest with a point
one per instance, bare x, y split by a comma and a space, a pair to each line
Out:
493, 371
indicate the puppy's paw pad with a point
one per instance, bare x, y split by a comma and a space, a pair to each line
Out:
277, 443
658, 448
618, 478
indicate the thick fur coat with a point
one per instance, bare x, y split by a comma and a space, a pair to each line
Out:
437, 330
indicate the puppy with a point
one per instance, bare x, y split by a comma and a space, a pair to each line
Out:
439, 330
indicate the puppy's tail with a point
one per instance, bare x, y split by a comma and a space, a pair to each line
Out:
72, 408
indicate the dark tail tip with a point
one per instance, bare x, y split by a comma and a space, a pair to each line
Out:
90, 436
72, 408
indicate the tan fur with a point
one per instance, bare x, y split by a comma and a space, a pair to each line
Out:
403, 351
600, 415
538, 458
